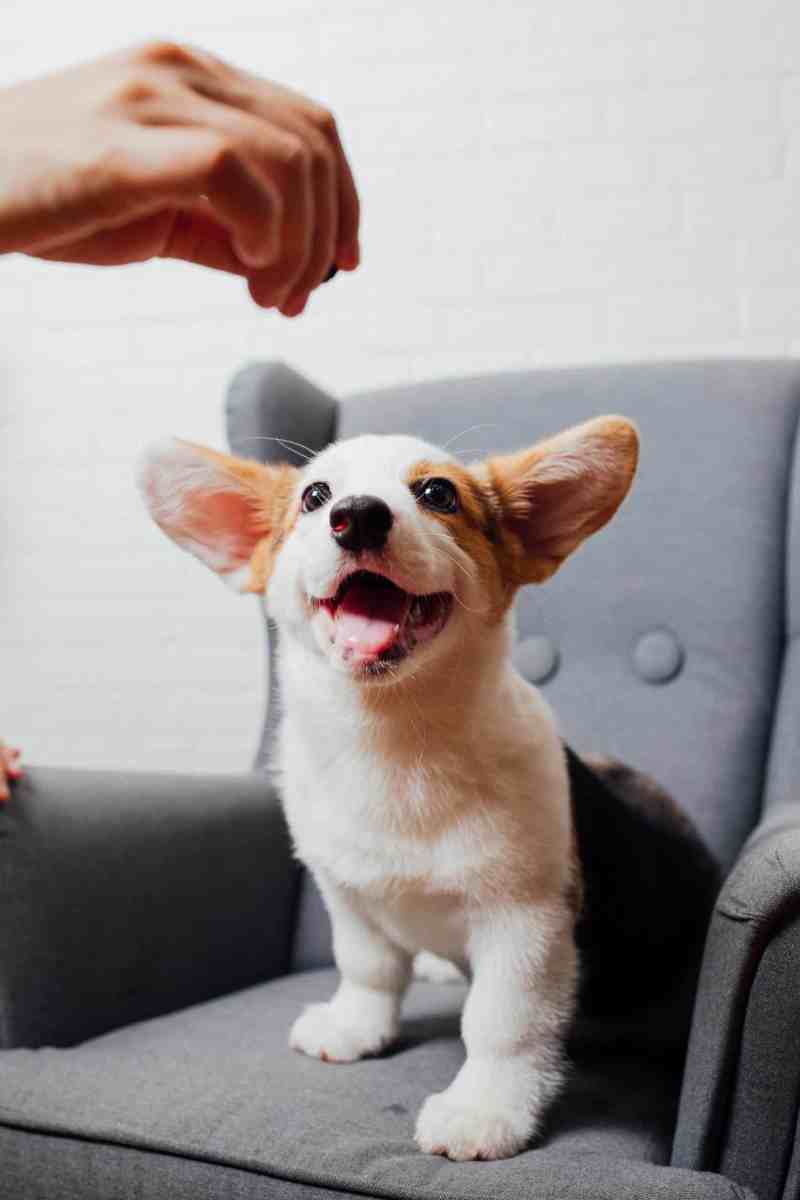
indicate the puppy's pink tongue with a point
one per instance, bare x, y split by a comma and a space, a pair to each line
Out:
368, 618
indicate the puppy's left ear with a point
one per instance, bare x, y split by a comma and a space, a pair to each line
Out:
560, 491
231, 513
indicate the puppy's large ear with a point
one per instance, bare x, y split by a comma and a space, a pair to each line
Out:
555, 494
231, 513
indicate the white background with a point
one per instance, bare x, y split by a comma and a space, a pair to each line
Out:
543, 181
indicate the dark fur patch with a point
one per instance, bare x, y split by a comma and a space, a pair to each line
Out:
649, 887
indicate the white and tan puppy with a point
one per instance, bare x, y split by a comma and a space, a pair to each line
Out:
424, 780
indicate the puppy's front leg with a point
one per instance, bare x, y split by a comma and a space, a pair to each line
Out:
363, 1015
522, 998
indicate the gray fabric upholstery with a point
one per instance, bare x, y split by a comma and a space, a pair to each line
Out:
212, 1098
784, 763
739, 1103
123, 896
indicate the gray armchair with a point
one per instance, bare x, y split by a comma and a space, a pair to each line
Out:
156, 939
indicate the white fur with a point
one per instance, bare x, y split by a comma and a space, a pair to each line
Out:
434, 813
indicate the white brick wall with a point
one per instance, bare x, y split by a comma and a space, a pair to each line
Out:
544, 181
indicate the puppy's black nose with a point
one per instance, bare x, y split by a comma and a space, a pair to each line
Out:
361, 523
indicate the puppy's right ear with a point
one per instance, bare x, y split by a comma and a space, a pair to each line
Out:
231, 513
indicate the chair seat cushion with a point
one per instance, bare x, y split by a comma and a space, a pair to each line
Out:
210, 1102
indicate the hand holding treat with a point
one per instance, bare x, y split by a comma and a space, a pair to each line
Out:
166, 151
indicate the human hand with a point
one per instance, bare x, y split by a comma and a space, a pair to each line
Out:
9, 769
166, 151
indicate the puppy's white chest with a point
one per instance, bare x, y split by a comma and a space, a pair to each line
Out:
363, 826
356, 827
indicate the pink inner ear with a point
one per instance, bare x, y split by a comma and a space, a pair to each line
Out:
562, 513
555, 509
222, 522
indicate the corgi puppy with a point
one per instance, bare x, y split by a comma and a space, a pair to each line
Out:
424, 780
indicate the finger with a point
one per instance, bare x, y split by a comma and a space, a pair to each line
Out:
347, 252
313, 132
272, 286
326, 215
281, 160
348, 248
249, 206
322, 121
206, 151
196, 236
4, 792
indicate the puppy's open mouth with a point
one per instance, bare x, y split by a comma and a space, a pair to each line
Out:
376, 623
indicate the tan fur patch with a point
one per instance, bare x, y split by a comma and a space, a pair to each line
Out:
283, 514
521, 514
475, 526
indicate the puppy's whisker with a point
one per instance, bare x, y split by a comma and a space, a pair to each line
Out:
478, 612
446, 549
475, 612
287, 443
471, 429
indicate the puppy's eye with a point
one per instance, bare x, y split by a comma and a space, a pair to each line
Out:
438, 494
314, 496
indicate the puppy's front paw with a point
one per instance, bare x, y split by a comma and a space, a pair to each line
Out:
321, 1032
468, 1131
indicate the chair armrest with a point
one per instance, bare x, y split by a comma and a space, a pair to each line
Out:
739, 1104
124, 896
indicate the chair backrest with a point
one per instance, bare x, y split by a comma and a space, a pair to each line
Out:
661, 641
